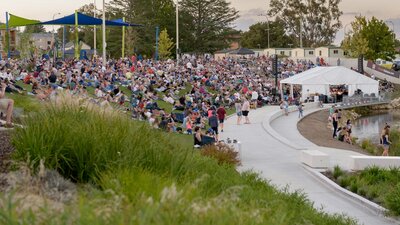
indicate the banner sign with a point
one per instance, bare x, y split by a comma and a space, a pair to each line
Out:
383, 70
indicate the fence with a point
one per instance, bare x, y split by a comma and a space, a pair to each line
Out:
364, 100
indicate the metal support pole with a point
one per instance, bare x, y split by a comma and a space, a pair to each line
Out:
157, 34
177, 32
55, 50
104, 34
76, 36
123, 39
8, 37
301, 34
63, 43
268, 32
394, 34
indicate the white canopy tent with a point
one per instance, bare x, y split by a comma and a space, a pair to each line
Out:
318, 80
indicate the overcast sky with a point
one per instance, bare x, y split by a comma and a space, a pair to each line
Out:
249, 10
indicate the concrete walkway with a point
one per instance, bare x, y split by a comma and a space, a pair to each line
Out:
280, 162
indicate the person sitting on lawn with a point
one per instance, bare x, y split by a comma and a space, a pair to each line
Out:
6, 104
197, 137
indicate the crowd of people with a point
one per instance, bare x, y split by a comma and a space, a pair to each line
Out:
193, 97
200, 90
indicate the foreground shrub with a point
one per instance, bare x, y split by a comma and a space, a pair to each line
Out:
337, 172
370, 147
223, 153
395, 139
377, 184
392, 200
344, 181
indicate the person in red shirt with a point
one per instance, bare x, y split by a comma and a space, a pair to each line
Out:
221, 117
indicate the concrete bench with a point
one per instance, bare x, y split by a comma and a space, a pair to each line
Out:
362, 162
315, 159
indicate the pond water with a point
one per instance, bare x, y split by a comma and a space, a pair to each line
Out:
370, 127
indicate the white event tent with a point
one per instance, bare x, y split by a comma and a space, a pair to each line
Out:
318, 80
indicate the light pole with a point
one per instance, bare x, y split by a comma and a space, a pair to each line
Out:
394, 34
266, 16
94, 31
345, 28
53, 19
54, 40
104, 34
177, 31
301, 33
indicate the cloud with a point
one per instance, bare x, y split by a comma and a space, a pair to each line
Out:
244, 23
396, 23
252, 12
350, 13
248, 18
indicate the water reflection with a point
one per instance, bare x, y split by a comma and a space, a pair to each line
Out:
369, 127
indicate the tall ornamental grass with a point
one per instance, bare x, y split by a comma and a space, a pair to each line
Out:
376, 184
81, 142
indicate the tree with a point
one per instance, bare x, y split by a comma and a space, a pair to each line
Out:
317, 20
257, 36
354, 43
25, 46
141, 40
165, 45
34, 29
397, 43
206, 24
371, 38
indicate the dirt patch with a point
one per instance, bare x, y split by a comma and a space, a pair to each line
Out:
314, 127
5, 151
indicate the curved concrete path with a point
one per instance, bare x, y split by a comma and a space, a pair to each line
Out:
280, 163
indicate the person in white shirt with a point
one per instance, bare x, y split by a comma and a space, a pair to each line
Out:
254, 96
6, 104
245, 110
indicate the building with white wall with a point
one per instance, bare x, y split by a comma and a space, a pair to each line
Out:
329, 52
43, 41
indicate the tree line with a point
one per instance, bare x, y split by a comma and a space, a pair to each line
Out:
206, 26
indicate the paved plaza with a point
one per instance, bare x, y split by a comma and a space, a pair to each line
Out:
274, 150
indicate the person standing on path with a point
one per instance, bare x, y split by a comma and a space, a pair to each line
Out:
335, 122
300, 108
238, 108
221, 117
213, 122
285, 107
385, 141
245, 110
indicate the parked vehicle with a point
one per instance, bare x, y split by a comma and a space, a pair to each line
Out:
396, 65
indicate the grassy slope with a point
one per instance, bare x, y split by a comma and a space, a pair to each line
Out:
148, 177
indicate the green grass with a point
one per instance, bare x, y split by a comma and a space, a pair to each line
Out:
394, 149
144, 176
376, 184
27, 103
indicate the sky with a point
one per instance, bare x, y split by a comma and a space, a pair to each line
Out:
249, 10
